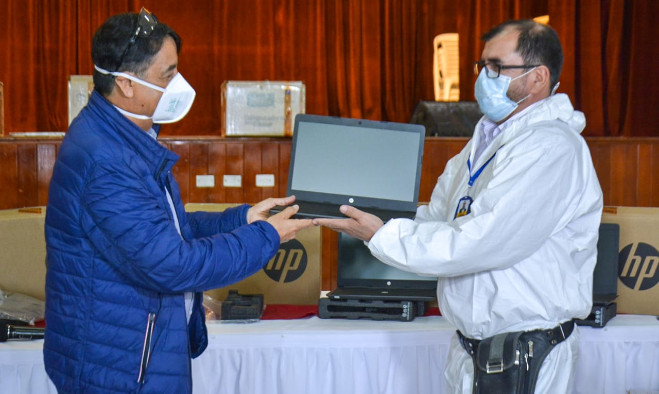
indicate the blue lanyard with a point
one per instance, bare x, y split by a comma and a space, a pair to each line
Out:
472, 178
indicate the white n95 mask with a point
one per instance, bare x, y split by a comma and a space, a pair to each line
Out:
174, 104
491, 95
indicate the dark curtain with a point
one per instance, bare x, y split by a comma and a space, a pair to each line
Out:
359, 58
609, 53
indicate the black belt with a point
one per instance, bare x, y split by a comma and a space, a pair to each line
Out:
555, 336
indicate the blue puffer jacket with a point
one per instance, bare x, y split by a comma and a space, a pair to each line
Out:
117, 267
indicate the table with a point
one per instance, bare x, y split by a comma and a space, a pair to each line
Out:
621, 357
325, 356
314, 355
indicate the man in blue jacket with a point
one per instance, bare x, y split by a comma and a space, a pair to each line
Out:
126, 265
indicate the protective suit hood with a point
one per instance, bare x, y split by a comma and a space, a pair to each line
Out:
555, 107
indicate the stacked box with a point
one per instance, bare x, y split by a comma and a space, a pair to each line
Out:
80, 90
292, 277
23, 256
261, 108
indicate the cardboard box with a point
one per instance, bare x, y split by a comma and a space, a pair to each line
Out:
292, 277
23, 251
2, 109
261, 108
80, 90
638, 259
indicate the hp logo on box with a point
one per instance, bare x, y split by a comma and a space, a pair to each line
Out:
638, 264
289, 263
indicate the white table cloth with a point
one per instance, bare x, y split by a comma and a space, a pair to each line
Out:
362, 356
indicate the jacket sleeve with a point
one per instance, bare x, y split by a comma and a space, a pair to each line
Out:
535, 190
129, 222
205, 224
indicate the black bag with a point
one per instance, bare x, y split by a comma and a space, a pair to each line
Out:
498, 364
509, 363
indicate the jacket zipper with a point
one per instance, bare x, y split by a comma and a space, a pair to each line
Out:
146, 349
162, 167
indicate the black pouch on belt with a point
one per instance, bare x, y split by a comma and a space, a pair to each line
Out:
509, 363
497, 364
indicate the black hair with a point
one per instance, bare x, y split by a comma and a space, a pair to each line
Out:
113, 38
537, 44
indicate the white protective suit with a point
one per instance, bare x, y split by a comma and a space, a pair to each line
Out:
523, 258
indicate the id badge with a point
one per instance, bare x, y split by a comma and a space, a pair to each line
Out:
463, 208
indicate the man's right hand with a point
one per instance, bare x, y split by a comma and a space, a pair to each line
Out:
359, 224
287, 227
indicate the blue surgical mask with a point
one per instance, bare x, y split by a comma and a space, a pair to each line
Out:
492, 98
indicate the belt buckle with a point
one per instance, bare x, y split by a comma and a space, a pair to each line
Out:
494, 366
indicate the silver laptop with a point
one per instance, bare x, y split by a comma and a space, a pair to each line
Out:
374, 166
360, 276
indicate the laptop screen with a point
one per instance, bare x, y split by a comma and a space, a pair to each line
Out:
358, 268
355, 161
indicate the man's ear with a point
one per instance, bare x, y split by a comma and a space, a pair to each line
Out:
124, 86
540, 78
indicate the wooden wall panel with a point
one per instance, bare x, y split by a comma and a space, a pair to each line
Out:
252, 167
9, 177
46, 155
436, 152
645, 155
233, 161
217, 167
602, 163
198, 163
284, 166
647, 181
269, 165
28, 173
628, 170
218, 157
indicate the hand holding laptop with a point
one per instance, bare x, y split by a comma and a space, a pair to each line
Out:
282, 222
360, 224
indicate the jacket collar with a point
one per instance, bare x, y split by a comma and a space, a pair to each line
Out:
118, 127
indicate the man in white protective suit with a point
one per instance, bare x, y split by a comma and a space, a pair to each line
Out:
512, 225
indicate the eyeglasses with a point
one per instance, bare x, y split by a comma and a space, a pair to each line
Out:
146, 23
493, 70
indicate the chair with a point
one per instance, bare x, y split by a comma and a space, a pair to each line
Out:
447, 119
446, 67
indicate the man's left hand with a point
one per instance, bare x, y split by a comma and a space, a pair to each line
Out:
261, 211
